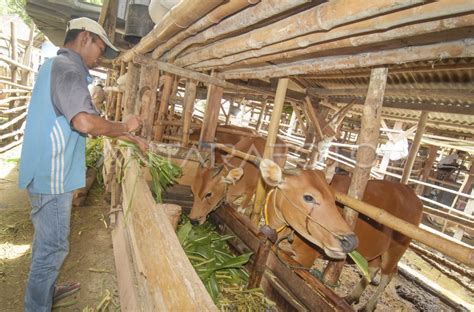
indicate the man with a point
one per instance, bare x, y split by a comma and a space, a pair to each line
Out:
53, 155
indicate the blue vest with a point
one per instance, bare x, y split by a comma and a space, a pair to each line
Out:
53, 153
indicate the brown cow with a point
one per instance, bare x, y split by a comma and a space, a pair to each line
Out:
380, 245
232, 180
303, 200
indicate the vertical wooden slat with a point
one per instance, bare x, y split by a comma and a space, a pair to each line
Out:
368, 139
131, 89
149, 79
414, 147
269, 145
188, 103
428, 165
118, 105
211, 115
260, 116
163, 108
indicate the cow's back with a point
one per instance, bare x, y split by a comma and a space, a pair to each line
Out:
394, 198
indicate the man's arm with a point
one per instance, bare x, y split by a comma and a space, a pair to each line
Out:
95, 125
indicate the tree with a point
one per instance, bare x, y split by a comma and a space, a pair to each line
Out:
16, 7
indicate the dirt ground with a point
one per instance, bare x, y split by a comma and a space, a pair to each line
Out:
90, 260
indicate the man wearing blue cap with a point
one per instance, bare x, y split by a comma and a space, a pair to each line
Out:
52, 165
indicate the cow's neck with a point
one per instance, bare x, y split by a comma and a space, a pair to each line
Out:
272, 215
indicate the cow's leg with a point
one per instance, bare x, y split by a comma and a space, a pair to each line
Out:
384, 281
304, 253
357, 291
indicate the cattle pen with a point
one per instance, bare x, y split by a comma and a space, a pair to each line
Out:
379, 90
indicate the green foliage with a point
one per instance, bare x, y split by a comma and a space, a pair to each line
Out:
15, 7
222, 273
95, 156
361, 263
163, 172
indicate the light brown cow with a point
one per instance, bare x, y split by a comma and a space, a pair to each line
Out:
231, 180
380, 245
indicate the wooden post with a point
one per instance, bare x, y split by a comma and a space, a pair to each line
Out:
131, 90
292, 123
188, 103
25, 74
163, 109
414, 147
227, 117
311, 114
269, 145
266, 238
426, 171
149, 79
118, 107
14, 55
368, 139
108, 17
260, 116
211, 115
299, 118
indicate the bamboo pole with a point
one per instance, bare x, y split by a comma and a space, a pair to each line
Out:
131, 90
13, 99
368, 139
450, 248
189, 98
355, 35
207, 21
108, 17
263, 108
211, 115
319, 18
252, 15
444, 50
118, 107
299, 118
163, 108
181, 16
12, 62
16, 85
14, 54
414, 148
149, 78
25, 74
269, 146
313, 118
427, 169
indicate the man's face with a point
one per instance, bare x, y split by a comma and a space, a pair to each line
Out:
93, 51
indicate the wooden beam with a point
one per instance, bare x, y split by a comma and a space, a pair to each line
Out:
168, 278
319, 18
427, 166
414, 148
211, 115
131, 90
402, 28
413, 104
452, 94
149, 78
269, 146
163, 109
449, 49
189, 98
447, 247
119, 105
12, 62
313, 118
367, 142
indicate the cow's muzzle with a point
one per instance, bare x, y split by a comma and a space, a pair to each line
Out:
349, 243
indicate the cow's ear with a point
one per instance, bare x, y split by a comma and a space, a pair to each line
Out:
271, 172
234, 175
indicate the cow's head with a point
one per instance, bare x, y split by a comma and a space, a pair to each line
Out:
209, 190
304, 200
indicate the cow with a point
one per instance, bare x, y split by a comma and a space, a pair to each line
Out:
231, 179
380, 245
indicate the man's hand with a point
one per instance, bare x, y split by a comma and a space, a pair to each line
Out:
133, 123
142, 144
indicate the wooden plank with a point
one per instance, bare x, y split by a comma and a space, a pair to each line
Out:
131, 90
211, 115
149, 79
189, 98
163, 108
170, 281
414, 148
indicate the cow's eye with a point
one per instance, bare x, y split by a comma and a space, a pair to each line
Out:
208, 195
308, 198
